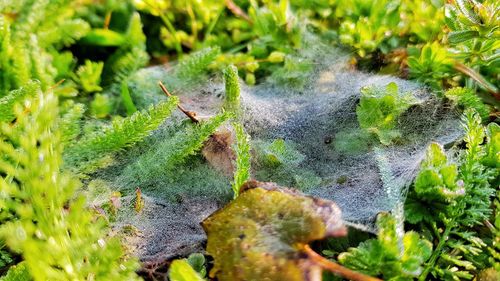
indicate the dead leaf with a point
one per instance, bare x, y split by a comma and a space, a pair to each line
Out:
261, 234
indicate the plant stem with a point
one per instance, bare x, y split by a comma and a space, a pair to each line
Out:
172, 30
478, 78
436, 253
190, 114
335, 267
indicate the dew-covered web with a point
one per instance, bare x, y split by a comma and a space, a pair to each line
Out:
316, 121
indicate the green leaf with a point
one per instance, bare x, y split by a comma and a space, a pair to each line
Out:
379, 109
457, 37
103, 37
258, 236
13, 97
122, 134
180, 270
393, 255
18, 272
232, 85
243, 158
127, 99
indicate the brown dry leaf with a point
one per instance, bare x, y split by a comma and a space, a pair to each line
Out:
218, 150
261, 235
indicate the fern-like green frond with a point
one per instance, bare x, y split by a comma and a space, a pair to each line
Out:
193, 66
53, 230
164, 157
243, 158
466, 98
89, 76
130, 57
16, 96
122, 134
71, 121
232, 85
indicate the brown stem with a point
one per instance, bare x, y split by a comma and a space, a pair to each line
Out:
56, 84
336, 268
235, 9
189, 114
478, 78
107, 20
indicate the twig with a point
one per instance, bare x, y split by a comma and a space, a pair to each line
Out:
478, 78
235, 9
107, 20
56, 84
336, 268
189, 114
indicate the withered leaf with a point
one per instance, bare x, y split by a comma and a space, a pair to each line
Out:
260, 235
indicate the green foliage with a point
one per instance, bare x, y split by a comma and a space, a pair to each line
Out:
280, 152
41, 217
451, 220
70, 122
279, 161
474, 35
243, 158
122, 134
193, 67
174, 150
475, 175
16, 96
379, 109
18, 272
6, 259
389, 256
466, 98
127, 99
435, 188
101, 106
247, 34
190, 269
368, 25
180, 270
198, 263
130, 56
88, 76
27, 43
232, 85
431, 66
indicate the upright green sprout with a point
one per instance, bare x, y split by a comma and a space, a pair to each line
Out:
242, 150
232, 100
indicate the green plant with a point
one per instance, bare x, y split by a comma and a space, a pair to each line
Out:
232, 85
391, 255
459, 251
243, 157
368, 25
379, 109
29, 44
190, 269
42, 219
432, 65
467, 98
436, 188
181, 270
88, 76
173, 150
122, 134
474, 37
